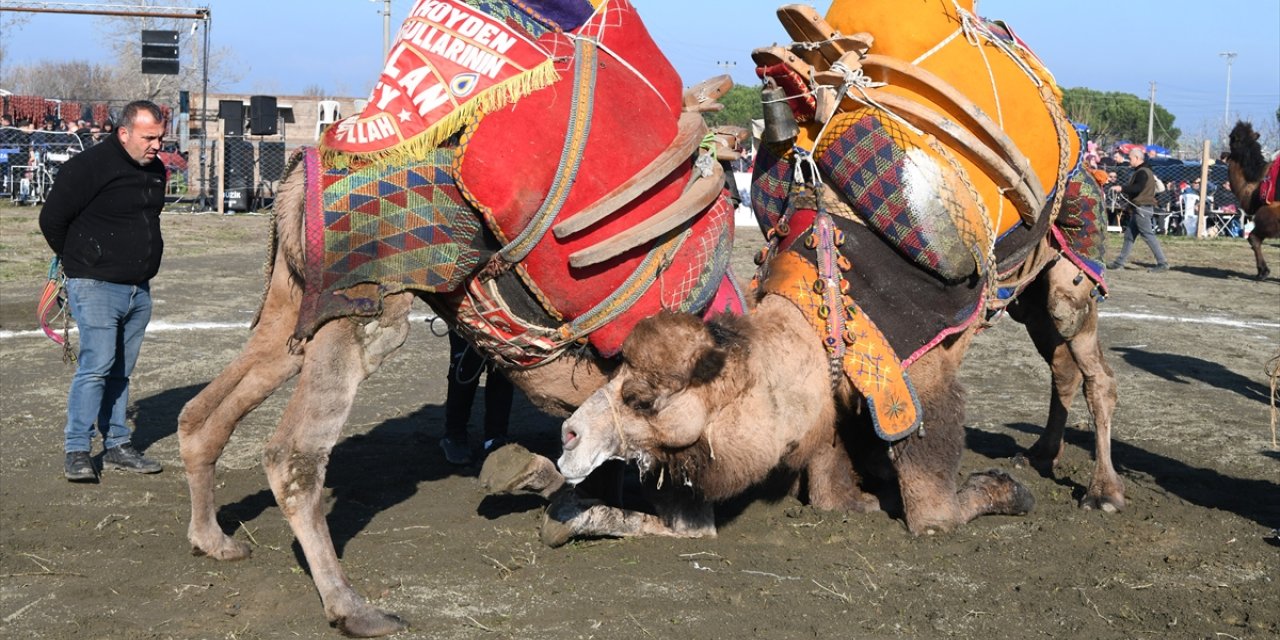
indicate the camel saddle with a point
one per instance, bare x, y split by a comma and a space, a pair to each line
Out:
586, 163
929, 156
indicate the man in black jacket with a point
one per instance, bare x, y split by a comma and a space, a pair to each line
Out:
1141, 194
102, 219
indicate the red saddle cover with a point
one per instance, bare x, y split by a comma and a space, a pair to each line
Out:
635, 106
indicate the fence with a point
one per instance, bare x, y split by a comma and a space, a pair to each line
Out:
1178, 205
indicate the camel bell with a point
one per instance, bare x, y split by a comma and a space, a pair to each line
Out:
779, 122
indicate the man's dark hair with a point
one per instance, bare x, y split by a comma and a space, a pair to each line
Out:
131, 110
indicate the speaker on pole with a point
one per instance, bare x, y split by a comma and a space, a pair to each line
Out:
231, 112
262, 115
160, 52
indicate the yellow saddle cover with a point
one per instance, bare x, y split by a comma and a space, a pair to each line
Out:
985, 64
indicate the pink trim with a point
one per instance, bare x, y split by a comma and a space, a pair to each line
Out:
942, 335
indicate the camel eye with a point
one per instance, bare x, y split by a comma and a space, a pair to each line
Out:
639, 397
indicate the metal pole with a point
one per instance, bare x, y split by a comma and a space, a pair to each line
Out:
204, 114
1151, 116
1226, 112
386, 28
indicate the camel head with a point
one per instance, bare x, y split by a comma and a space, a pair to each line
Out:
659, 403
1244, 150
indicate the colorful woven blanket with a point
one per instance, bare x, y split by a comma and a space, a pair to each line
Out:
399, 228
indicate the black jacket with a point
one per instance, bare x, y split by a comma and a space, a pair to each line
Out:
102, 216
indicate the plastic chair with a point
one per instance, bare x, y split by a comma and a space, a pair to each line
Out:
327, 114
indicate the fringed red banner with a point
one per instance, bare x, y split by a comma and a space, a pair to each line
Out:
451, 62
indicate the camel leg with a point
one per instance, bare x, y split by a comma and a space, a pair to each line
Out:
1062, 313
343, 353
1032, 310
927, 464
1255, 242
208, 420
680, 515
833, 483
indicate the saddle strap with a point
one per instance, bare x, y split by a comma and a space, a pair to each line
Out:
575, 146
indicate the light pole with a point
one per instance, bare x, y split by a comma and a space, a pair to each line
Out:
1226, 113
386, 27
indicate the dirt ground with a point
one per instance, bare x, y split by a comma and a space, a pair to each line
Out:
1193, 556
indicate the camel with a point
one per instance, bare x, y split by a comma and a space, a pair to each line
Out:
1246, 168
712, 409
709, 409
660, 193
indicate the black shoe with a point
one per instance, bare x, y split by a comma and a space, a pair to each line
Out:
1115, 265
79, 467
127, 458
1160, 268
456, 452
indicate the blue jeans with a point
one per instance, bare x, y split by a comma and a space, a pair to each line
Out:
1139, 224
111, 319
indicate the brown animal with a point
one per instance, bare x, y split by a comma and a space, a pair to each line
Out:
709, 410
1245, 169
332, 364
713, 409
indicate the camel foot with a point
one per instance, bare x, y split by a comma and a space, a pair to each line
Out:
227, 548
1105, 503
514, 469
561, 521
370, 623
998, 493
1043, 463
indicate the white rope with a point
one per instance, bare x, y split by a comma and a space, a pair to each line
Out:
945, 41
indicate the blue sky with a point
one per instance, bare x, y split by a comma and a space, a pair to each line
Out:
285, 46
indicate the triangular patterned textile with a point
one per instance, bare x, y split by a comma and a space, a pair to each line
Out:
394, 227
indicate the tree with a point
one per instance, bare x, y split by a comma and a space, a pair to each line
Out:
73, 80
1115, 116
741, 106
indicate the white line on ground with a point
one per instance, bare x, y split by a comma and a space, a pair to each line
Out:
160, 326
1225, 322
164, 325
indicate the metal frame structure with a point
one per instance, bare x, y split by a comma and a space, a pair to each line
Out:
201, 14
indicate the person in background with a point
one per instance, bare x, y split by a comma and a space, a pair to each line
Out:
102, 219
465, 367
1141, 195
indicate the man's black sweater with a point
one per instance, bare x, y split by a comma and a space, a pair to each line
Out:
102, 216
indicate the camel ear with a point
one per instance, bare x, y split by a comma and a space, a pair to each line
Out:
708, 365
1255, 135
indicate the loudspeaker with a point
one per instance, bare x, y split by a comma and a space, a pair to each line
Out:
231, 112
262, 115
270, 161
237, 173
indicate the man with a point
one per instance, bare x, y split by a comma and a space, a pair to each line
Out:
1141, 194
465, 366
102, 219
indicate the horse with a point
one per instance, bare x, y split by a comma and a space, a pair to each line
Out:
1254, 184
